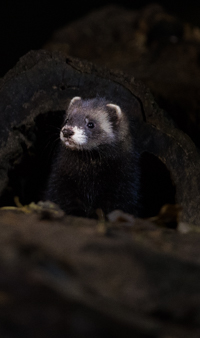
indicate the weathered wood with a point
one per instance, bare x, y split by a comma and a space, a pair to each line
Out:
65, 277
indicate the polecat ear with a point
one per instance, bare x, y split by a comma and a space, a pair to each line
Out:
76, 98
116, 108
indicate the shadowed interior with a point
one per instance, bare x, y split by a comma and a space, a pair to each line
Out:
28, 175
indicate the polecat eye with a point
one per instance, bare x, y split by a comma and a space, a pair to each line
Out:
66, 121
90, 125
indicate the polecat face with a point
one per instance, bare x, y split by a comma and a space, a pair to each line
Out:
90, 123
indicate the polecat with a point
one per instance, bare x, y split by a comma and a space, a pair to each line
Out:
96, 165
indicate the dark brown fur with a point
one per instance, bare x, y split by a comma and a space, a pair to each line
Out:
101, 173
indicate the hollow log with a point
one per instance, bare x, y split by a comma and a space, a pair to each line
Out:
36, 92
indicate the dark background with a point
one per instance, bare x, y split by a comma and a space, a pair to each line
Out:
28, 25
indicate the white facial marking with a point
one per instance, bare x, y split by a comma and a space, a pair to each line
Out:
79, 136
62, 137
117, 109
106, 125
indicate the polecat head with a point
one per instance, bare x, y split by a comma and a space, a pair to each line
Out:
91, 123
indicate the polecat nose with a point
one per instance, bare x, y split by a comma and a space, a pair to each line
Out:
67, 133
